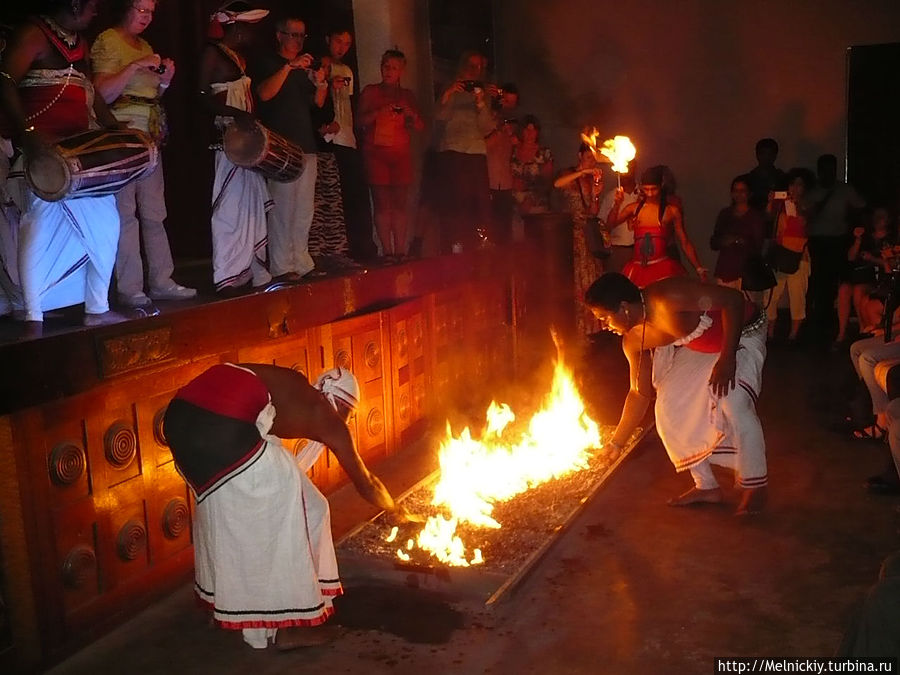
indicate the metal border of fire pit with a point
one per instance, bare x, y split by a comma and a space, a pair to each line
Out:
513, 581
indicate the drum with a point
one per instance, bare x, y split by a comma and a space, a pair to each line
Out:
262, 149
91, 164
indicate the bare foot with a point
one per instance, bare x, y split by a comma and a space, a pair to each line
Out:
297, 637
697, 496
752, 501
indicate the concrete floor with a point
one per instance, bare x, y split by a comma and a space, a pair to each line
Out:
633, 587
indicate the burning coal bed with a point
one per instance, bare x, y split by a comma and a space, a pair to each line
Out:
500, 495
527, 522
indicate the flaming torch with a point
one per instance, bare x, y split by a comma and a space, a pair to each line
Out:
618, 151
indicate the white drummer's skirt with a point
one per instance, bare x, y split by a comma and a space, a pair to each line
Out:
66, 249
263, 553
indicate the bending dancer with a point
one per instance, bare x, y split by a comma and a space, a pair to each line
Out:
239, 198
702, 347
67, 248
655, 229
263, 554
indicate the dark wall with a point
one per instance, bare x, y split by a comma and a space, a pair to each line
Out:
694, 83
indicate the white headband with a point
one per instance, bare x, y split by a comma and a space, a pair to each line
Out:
250, 16
339, 383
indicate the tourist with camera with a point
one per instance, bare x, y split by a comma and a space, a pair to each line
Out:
465, 118
132, 79
387, 115
287, 86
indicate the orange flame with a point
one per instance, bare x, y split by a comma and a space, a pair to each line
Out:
477, 473
620, 150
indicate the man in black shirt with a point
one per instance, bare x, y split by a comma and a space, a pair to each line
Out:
286, 86
765, 177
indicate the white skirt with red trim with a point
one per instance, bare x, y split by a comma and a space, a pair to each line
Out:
263, 553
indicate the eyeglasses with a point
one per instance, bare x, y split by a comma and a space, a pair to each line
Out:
294, 36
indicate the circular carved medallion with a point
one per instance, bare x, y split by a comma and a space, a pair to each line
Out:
131, 541
375, 422
78, 567
342, 360
159, 433
176, 517
373, 354
120, 445
67, 463
403, 406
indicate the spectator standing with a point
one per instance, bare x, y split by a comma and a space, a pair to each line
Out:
341, 82
791, 239
131, 78
831, 204
461, 163
532, 169
582, 186
387, 114
738, 235
499, 145
765, 177
286, 88
621, 237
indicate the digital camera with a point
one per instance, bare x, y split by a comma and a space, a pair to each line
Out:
472, 85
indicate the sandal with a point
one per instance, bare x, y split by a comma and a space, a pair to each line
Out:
870, 433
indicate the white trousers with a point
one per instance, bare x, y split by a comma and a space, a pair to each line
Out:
290, 220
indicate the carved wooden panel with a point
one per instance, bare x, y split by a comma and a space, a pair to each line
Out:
290, 352
66, 463
113, 446
123, 540
371, 422
75, 570
169, 514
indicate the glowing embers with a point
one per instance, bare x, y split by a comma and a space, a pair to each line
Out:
506, 461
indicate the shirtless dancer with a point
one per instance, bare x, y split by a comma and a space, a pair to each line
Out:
702, 347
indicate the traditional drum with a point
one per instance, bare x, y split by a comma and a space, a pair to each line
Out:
262, 149
93, 163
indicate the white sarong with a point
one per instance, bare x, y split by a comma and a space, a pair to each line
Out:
263, 554
66, 249
240, 200
697, 426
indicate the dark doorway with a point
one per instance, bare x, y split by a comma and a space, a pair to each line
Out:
873, 129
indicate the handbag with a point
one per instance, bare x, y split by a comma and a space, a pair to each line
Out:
757, 276
783, 259
596, 238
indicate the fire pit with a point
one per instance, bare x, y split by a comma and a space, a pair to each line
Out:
497, 502
531, 523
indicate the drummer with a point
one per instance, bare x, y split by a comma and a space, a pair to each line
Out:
67, 249
240, 198
131, 78
286, 86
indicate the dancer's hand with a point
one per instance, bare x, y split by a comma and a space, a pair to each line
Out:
722, 377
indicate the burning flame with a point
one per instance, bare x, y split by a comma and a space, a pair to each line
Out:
619, 150
477, 473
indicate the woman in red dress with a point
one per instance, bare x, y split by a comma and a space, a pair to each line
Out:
657, 224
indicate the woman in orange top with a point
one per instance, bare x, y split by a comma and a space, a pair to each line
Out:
791, 234
387, 114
